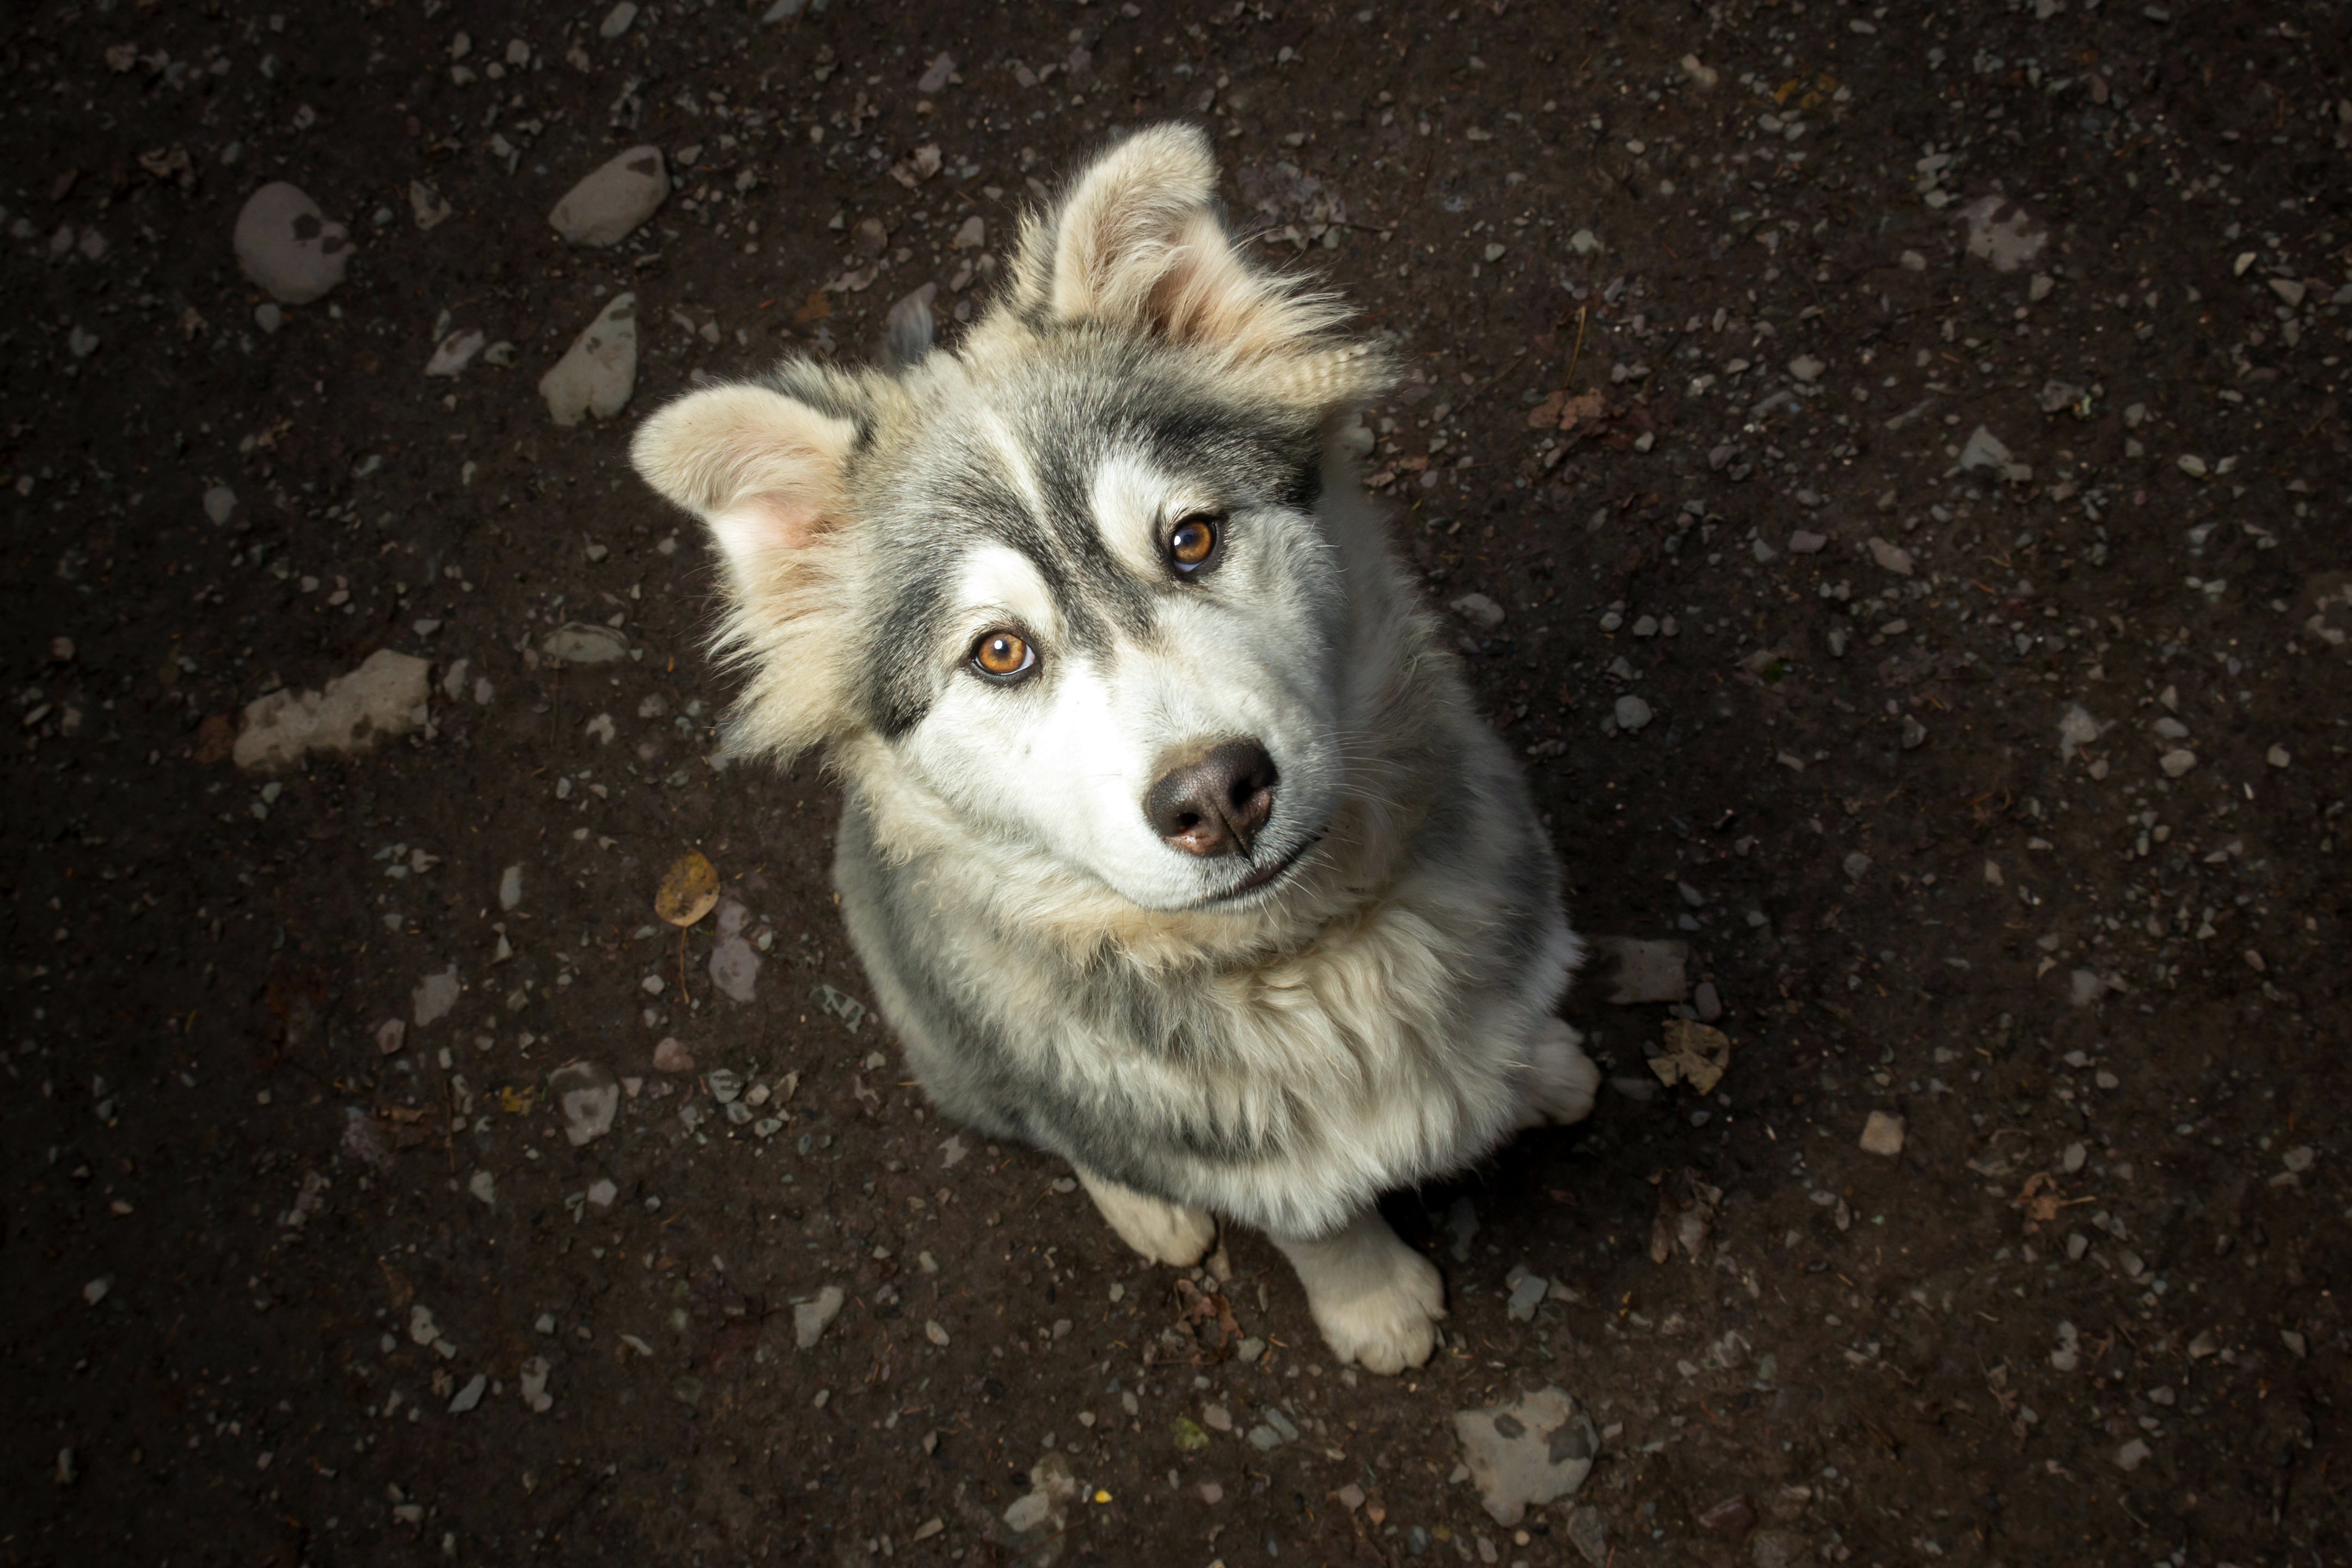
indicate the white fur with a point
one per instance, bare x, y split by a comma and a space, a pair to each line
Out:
1163, 1232
1377, 1300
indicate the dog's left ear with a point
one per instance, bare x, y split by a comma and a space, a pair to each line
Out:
1138, 247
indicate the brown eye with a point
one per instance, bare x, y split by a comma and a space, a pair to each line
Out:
1193, 544
1003, 656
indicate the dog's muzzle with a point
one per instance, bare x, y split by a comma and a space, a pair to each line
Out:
1214, 802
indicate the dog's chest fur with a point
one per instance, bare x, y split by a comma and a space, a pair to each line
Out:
1283, 1084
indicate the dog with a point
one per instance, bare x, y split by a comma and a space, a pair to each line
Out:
1172, 843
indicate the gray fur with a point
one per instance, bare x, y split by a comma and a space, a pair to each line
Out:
1189, 1034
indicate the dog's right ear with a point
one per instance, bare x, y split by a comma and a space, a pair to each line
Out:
765, 471
762, 468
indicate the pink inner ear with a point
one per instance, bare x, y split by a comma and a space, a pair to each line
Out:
761, 525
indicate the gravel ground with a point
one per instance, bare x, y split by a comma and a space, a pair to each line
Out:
1887, 471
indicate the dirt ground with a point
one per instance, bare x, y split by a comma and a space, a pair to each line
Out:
1906, 449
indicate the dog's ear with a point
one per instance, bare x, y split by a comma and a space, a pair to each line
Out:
1136, 246
765, 471
762, 468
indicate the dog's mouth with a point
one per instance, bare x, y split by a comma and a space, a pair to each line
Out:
1266, 876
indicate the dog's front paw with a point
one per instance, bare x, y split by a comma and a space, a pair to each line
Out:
1163, 1232
1562, 1080
1391, 1326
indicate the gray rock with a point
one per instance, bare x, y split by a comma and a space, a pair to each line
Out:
734, 965
616, 20
1986, 452
1478, 610
2177, 762
532, 1382
1883, 1134
471, 1394
455, 351
285, 244
1893, 557
813, 1317
1589, 1535
1647, 971
385, 697
605, 207
510, 888
600, 370
1535, 1450
220, 501
583, 642
1804, 542
2002, 232
941, 68
431, 211
435, 995
1632, 713
1806, 368
1525, 1296
587, 1097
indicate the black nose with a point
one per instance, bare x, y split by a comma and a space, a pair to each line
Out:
1214, 803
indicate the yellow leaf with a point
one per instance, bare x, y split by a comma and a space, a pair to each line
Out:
689, 889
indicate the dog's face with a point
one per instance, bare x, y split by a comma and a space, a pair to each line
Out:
1073, 575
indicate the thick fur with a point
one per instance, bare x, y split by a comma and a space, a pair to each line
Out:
1377, 1013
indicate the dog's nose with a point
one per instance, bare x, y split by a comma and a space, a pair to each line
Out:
1214, 803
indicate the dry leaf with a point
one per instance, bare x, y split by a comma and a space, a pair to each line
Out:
1695, 1054
689, 891
815, 308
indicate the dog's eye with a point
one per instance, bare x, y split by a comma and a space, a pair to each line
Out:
1003, 656
1192, 543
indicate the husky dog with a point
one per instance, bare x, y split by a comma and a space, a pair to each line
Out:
1173, 844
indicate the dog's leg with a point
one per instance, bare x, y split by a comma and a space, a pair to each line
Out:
1163, 1232
1559, 1080
1376, 1300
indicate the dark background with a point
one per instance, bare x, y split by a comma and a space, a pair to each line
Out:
2109, 1003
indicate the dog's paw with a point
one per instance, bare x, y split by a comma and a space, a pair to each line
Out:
1163, 1232
1562, 1080
1391, 1326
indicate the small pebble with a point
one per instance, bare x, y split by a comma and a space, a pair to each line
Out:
1883, 1134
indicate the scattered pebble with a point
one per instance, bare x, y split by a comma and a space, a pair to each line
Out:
1632, 713
587, 1097
671, 1055
510, 888
1805, 543
2177, 762
813, 1317
616, 20
285, 244
606, 206
435, 995
583, 642
1893, 557
734, 964
426, 205
455, 351
1525, 1296
531, 1382
471, 1394
1478, 610
1533, 1450
599, 372
384, 698
1883, 1134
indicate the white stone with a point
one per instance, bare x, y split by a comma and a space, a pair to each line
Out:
1534, 1450
587, 1097
435, 995
455, 351
1631, 713
616, 20
510, 888
384, 697
600, 370
605, 207
811, 1318
1883, 1134
286, 244
1893, 557
430, 208
219, 502
1478, 610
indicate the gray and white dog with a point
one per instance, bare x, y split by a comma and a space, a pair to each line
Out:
1173, 844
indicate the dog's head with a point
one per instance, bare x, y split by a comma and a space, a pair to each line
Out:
1073, 578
